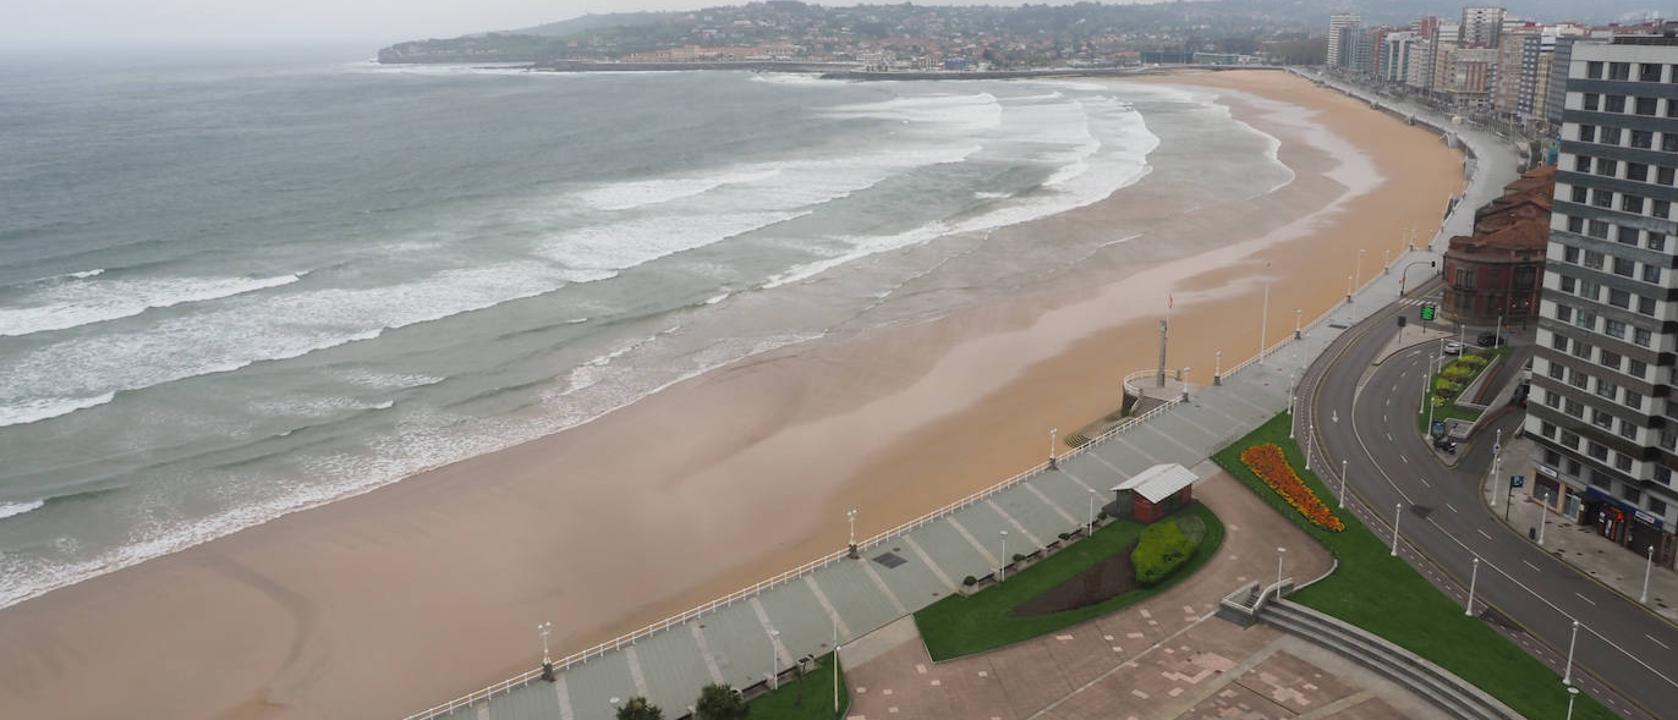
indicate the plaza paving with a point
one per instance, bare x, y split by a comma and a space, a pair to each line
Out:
800, 617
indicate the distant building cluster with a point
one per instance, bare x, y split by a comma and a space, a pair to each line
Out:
1485, 62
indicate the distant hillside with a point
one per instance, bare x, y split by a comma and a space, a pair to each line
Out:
1024, 36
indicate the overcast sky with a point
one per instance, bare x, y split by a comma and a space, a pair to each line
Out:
167, 22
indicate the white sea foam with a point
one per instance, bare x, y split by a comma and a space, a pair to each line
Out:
75, 303
796, 79
23, 412
638, 193
980, 111
13, 509
62, 375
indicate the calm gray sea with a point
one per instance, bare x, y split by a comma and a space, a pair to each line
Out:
231, 288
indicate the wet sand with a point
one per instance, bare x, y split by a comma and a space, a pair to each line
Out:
382, 604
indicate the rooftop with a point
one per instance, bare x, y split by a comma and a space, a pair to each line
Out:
1159, 482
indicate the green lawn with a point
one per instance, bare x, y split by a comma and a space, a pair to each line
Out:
962, 625
1384, 595
1451, 410
807, 698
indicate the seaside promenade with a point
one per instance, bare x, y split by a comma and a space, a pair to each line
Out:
739, 639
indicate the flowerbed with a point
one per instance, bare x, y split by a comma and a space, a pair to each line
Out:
1268, 462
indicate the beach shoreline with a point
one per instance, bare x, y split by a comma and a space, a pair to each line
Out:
393, 600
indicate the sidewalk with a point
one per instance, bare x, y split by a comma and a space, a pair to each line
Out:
1577, 545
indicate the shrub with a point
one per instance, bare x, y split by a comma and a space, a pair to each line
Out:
1457, 373
637, 708
719, 702
1066, 536
1160, 551
1472, 361
970, 581
1019, 557
1270, 465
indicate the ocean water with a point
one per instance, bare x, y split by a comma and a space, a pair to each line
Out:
231, 290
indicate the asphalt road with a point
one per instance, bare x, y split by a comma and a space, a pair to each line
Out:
1625, 656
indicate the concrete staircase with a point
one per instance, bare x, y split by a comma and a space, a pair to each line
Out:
1452, 694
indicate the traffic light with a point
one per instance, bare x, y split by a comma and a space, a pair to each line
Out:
1427, 312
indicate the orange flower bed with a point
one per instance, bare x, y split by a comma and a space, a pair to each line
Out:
1268, 462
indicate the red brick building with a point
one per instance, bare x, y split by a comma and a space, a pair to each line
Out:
1154, 493
1498, 271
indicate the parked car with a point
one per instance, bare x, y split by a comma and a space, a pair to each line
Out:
1491, 339
1453, 347
1446, 444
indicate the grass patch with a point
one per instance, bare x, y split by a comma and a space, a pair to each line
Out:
962, 625
1446, 408
807, 698
1384, 595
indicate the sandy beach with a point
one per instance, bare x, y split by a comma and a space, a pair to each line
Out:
385, 603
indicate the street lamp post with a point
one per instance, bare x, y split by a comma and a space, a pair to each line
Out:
1310, 432
1473, 577
1002, 572
1218, 368
547, 662
1264, 319
1296, 318
774, 661
1648, 564
1572, 693
1386, 260
1092, 513
1185, 382
1398, 512
1567, 677
1053, 432
1281, 552
850, 517
1342, 483
1543, 516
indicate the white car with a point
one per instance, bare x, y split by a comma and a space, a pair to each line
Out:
1453, 347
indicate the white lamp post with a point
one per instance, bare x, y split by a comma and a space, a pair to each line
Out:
544, 630
1218, 368
1053, 435
1296, 318
1001, 572
1572, 693
1342, 483
850, 517
774, 661
1543, 516
1310, 432
1567, 677
1264, 317
1281, 552
1473, 577
1092, 513
1648, 564
1398, 512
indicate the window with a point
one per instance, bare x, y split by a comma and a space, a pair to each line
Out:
1587, 133
1625, 267
1657, 506
1663, 475
1637, 368
1669, 438
1665, 176
1642, 139
1598, 228
1597, 451
1610, 360
1525, 276
1628, 430
1602, 198
1614, 103
1559, 342
1619, 298
1631, 204
1588, 290
1580, 194
1551, 457
1607, 168
1593, 102
1631, 493
1602, 420
1648, 72
1652, 273
1619, 71
1556, 371
1657, 241
1623, 462
1601, 480
1645, 106
1593, 259
1669, 142
1625, 235
1465, 279
1645, 305
1552, 399
1634, 400
1614, 329
1575, 378
1574, 408
1593, 69
1637, 171
1641, 337
1610, 136
1661, 209
1568, 284
1607, 389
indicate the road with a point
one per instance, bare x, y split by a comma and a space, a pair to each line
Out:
1366, 416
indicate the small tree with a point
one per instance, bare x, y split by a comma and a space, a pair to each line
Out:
719, 702
637, 708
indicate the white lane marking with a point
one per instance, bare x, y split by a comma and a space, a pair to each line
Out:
1452, 507
1529, 564
1389, 435
1425, 482
1483, 534
1657, 642
1403, 459
1586, 599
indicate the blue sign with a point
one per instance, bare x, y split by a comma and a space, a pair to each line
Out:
1516, 481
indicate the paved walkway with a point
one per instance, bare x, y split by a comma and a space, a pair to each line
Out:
910, 570
1056, 675
1577, 545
